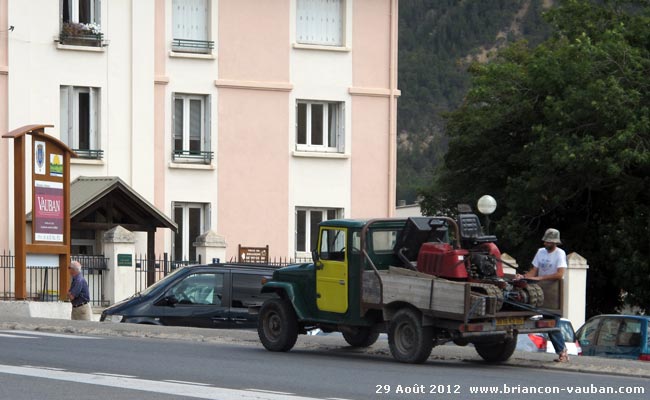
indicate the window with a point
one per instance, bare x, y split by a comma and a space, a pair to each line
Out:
332, 245
192, 219
190, 20
80, 120
199, 289
320, 126
589, 331
80, 22
246, 290
191, 141
320, 22
383, 241
608, 332
307, 221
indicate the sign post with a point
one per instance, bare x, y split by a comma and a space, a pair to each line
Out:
50, 183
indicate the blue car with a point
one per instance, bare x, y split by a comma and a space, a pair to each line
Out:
616, 336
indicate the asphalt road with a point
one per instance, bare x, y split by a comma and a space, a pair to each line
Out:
41, 365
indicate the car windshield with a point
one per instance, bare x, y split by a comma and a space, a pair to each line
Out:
161, 282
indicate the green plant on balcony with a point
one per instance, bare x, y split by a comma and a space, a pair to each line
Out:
79, 34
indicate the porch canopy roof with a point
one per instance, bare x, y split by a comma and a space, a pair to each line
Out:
103, 202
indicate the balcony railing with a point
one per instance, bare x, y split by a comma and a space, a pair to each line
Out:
192, 46
204, 157
89, 154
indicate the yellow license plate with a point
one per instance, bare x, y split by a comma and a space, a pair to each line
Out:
510, 321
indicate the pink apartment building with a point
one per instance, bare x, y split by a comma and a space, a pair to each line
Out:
255, 119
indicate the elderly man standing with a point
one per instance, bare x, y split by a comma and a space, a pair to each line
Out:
79, 294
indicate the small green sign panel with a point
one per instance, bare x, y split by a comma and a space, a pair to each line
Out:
124, 260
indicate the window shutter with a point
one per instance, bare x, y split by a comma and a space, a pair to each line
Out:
190, 19
94, 119
340, 140
97, 12
177, 134
207, 124
65, 128
179, 19
333, 23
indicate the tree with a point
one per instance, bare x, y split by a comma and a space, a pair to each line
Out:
560, 135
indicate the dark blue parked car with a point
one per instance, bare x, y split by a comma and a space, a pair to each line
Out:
616, 336
204, 296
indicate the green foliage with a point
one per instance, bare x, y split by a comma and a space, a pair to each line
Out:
435, 38
559, 134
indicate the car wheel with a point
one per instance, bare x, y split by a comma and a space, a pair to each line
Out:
409, 341
496, 352
277, 326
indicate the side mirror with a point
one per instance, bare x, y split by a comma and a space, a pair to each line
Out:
316, 258
169, 301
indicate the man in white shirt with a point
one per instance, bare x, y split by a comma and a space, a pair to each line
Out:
549, 264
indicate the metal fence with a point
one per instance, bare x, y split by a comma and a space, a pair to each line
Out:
164, 266
42, 282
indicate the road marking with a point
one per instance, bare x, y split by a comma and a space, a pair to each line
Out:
178, 389
118, 375
270, 391
47, 334
16, 336
186, 382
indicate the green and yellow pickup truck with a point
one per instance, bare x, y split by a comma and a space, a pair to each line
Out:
423, 281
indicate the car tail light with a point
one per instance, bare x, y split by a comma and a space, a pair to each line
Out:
644, 357
578, 348
539, 341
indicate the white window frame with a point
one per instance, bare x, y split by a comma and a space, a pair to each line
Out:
327, 146
69, 98
95, 11
308, 211
205, 123
315, 23
185, 228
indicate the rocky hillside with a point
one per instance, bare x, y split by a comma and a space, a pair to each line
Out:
438, 40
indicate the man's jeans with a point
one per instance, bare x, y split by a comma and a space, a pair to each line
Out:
557, 339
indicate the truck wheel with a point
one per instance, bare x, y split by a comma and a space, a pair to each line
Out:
409, 341
360, 337
277, 326
496, 352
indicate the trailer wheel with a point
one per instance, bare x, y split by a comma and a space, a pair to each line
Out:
277, 326
360, 336
409, 341
496, 352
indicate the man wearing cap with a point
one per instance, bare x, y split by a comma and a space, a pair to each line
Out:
549, 264
79, 294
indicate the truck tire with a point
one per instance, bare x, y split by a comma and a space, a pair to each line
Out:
360, 337
496, 352
409, 341
277, 326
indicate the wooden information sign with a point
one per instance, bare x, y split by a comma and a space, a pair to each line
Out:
50, 184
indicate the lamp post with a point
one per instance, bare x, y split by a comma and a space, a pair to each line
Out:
486, 206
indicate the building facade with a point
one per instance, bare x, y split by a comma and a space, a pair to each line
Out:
254, 119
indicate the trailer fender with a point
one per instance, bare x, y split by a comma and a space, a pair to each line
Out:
286, 291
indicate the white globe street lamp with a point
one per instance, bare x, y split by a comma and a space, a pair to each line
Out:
486, 206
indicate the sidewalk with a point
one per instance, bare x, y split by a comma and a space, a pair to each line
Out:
330, 343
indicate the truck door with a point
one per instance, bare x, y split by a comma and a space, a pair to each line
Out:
332, 271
